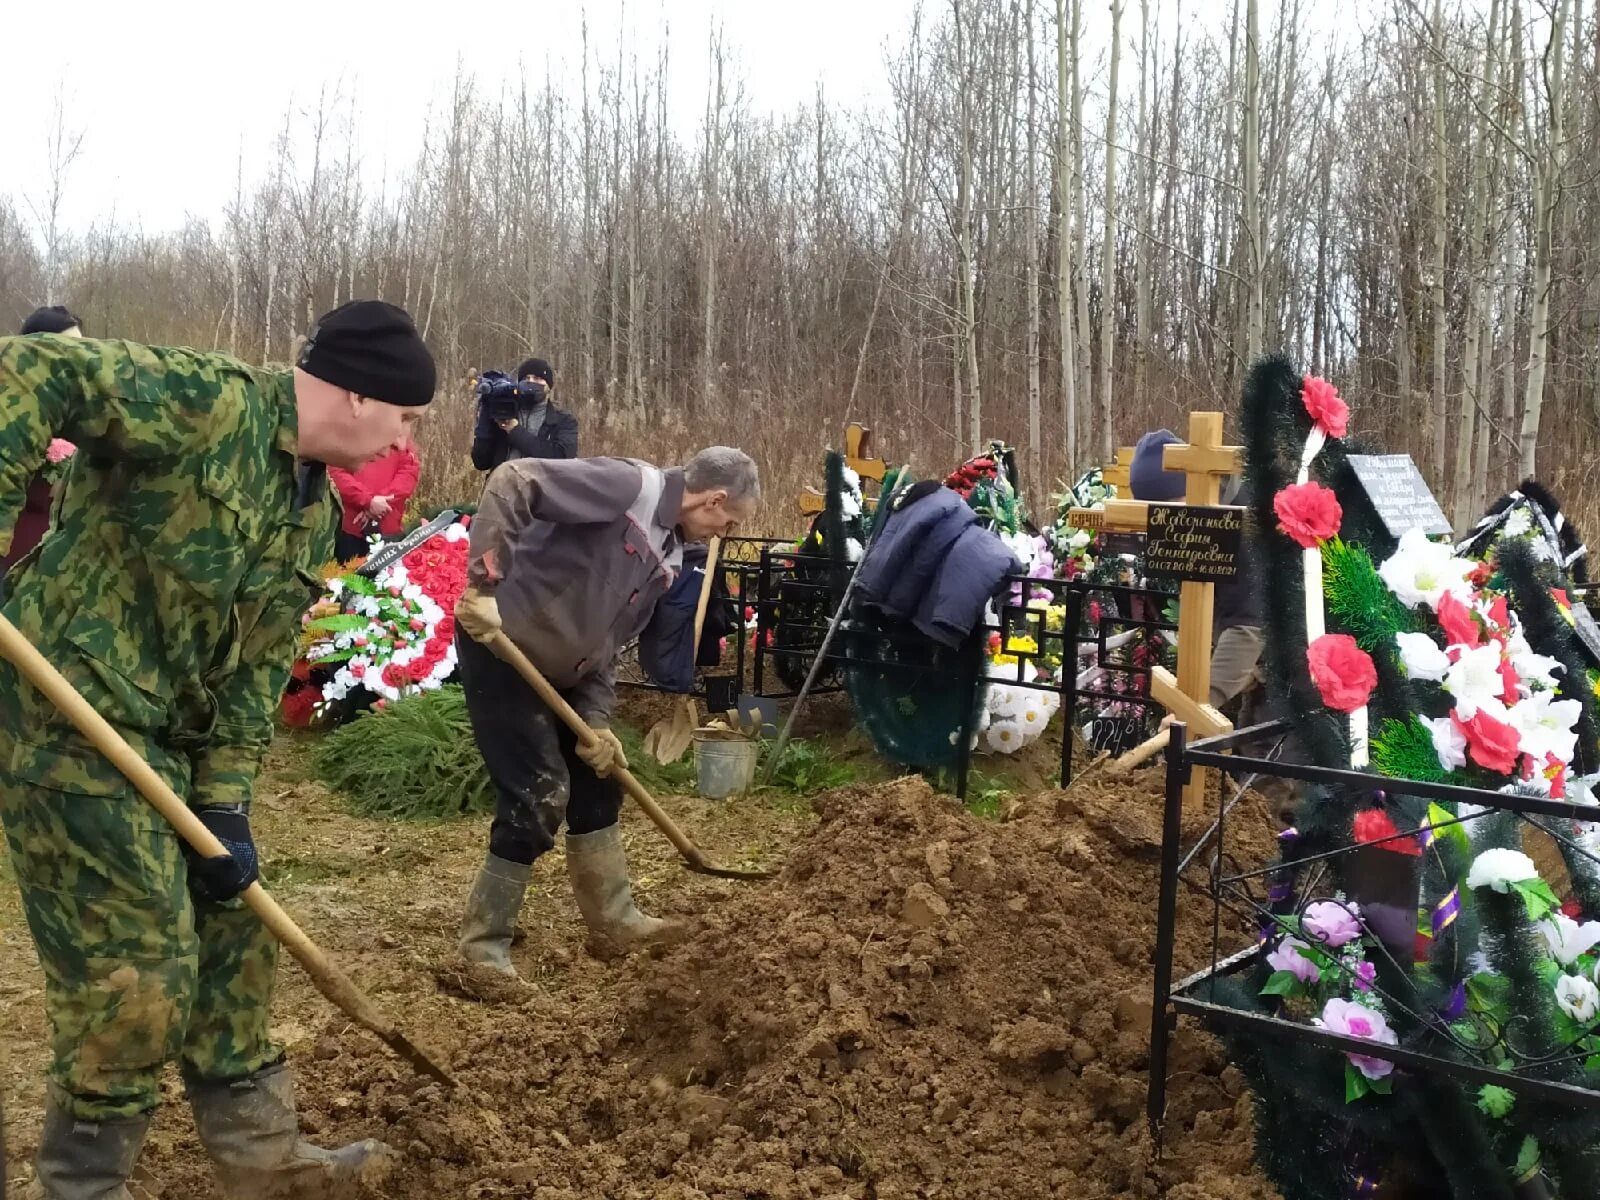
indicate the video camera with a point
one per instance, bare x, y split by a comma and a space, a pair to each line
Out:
502, 395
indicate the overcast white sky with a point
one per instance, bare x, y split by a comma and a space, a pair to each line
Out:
168, 92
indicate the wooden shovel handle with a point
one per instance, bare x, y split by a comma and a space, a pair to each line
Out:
705, 591
1143, 752
53, 685
508, 651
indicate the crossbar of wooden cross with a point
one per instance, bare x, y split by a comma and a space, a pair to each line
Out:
1116, 473
858, 457
1205, 462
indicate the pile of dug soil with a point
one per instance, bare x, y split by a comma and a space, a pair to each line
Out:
923, 1004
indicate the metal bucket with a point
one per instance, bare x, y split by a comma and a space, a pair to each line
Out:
724, 766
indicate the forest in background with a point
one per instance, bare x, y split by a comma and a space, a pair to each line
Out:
1026, 242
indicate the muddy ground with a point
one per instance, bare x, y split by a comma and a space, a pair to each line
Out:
925, 1003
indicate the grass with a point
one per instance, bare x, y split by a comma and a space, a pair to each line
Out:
416, 760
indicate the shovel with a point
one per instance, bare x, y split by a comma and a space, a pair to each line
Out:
669, 737
329, 979
693, 858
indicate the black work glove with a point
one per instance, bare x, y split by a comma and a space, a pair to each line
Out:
224, 877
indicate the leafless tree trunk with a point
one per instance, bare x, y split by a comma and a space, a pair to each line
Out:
1549, 177
1108, 246
62, 146
1065, 245
1031, 253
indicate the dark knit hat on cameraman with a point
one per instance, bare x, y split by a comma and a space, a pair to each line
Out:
539, 369
372, 349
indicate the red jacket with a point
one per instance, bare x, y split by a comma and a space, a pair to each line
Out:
31, 524
394, 475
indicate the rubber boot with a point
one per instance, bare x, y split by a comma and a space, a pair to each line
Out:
491, 915
85, 1160
599, 869
251, 1131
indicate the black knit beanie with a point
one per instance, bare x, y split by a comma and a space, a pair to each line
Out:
53, 318
373, 349
539, 369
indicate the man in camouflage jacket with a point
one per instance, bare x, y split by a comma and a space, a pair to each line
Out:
169, 594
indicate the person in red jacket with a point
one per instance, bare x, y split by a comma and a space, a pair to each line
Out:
34, 519
376, 495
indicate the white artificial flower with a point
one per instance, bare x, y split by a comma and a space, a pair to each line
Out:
456, 533
852, 481
335, 588
1546, 726
849, 505
1421, 657
1449, 743
1519, 522
1420, 571
1578, 998
852, 549
1079, 539
1004, 737
1005, 703
1500, 868
1474, 680
1568, 939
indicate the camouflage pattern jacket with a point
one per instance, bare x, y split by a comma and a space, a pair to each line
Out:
170, 590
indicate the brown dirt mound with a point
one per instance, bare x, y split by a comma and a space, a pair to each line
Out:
923, 1004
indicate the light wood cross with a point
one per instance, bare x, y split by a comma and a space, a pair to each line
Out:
1205, 462
857, 448
1117, 473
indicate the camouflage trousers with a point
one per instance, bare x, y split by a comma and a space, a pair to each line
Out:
136, 973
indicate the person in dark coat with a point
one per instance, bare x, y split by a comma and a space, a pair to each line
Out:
539, 430
34, 519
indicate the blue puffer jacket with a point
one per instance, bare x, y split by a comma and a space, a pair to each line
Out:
934, 566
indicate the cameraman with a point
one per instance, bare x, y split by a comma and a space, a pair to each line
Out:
533, 428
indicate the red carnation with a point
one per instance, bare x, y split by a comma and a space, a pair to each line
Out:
1321, 399
1342, 671
1491, 743
1308, 512
358, 670
1572, 909
394, 675
1480, 575
1375, 825
1499, 613
1458, 622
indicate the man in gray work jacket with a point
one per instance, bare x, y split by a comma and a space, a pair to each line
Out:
568, 558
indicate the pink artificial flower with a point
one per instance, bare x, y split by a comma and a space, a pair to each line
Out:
1357, 1020
1343, 671
1308, 512
1366, 975
1459, 623
1322, 402
1491, 743
1331, 923
1287, 957
59, 450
